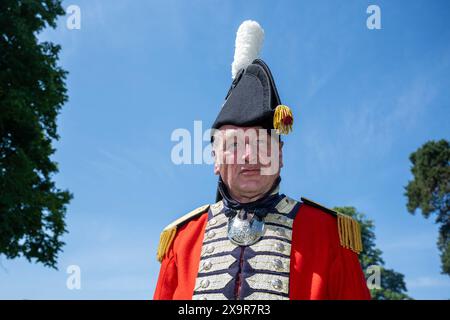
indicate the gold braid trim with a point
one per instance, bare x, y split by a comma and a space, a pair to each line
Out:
165, 240
283, 119
349, 233
349, 229
169, 232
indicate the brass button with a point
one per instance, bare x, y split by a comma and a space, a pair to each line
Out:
279, 246
209, 249
277, 284
204, 283
277, 263
213, 221
207, 265
211, 234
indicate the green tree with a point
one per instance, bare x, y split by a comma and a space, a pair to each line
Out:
392, 284
32, 92
430, 191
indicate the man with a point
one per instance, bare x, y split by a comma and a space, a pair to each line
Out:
255, 243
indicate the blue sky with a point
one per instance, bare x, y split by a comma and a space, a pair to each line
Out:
363, 100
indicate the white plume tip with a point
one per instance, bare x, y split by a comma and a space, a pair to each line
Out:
249, 40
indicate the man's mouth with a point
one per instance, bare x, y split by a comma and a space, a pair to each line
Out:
251, 172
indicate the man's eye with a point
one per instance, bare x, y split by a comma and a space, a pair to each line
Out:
231, 145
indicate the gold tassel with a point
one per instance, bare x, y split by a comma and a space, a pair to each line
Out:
165, 240
283, 119
349, 233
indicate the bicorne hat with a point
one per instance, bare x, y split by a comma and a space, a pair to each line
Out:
253, 99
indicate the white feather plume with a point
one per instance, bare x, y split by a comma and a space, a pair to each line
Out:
249, 40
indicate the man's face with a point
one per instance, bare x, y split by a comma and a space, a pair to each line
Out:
248, 160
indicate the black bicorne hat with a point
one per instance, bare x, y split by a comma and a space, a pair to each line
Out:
253, 99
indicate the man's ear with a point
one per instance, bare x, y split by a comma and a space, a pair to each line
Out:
216, 169
216, 165
280, 154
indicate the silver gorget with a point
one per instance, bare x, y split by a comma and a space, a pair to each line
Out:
244, 232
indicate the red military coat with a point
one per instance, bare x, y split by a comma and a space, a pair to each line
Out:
320, 267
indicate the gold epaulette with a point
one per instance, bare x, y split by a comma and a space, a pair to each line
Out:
168, 234
348, 228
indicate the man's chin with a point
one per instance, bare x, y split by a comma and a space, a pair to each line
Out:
251, 186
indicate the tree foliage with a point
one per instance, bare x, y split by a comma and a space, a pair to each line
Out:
429, 191
392, 284
32, 93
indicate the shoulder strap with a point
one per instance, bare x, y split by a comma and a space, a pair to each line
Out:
348, 228
168, 234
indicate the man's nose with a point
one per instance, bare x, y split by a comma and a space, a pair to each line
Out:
250, 155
